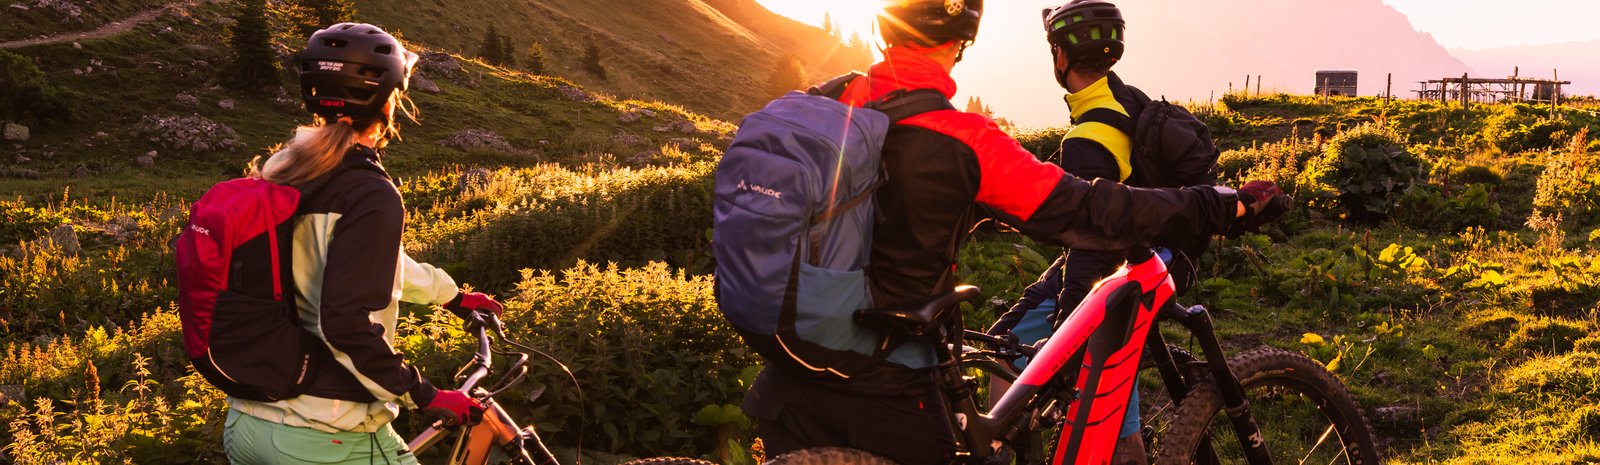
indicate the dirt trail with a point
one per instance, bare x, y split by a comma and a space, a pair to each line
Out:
107, 30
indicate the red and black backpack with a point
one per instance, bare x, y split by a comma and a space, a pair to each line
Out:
241, 329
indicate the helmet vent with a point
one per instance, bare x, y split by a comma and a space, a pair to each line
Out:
384, 49
334, 43
371, 72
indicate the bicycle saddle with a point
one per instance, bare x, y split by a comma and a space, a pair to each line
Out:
917, 317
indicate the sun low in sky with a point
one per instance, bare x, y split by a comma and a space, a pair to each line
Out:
852, 16
1186, 50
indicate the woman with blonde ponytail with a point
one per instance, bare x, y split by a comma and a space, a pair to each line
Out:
349, 269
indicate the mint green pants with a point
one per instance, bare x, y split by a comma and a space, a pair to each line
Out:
253, 441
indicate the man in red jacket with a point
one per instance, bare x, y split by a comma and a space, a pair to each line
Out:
942, 168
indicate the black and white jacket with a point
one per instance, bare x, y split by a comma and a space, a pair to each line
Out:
351, 273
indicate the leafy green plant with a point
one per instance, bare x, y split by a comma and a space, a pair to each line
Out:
1365, 171
26, 95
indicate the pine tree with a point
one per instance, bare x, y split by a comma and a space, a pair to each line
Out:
536, 58
331, 12
860, 54
827, 25
254, 65
975, 105
787, 74
492, 46
591, 61
508, 52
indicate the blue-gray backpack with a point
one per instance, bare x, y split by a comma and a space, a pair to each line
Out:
794, 214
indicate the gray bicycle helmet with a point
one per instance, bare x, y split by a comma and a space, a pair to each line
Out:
930, 22
350, 69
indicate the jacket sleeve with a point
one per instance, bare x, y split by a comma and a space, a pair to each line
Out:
1087, 159
421, 283
1048, 204
362, 255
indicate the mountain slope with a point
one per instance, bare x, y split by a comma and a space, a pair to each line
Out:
711, 57
1575, 61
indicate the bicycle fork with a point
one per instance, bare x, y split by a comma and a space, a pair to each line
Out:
1234, 403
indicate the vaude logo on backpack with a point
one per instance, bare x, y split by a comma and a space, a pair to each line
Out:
794, 214
235, 302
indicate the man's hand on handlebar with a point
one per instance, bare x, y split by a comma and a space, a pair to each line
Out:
1263, 202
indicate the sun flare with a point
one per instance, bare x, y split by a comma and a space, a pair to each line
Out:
850, 16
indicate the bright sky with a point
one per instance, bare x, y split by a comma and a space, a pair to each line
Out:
1013, 59
1478, 24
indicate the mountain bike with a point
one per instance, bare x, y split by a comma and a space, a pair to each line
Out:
1278, 407
496, 438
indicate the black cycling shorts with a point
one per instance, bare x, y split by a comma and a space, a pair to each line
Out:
795, 413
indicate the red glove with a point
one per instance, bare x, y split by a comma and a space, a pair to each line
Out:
454, 408
467, 303
1263, 203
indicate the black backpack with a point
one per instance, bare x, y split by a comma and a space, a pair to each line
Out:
1171, 148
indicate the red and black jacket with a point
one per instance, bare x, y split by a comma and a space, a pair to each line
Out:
942, 166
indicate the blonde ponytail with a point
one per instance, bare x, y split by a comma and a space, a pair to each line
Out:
320, 147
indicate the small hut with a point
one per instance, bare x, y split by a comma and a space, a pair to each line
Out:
1336, 82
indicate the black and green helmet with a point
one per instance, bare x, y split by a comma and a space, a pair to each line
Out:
1088, 30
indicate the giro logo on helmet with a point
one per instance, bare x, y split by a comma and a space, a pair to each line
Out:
332, 103
954, 7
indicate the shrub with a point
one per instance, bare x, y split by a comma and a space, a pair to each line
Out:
550, 217
26, 95
1043, 142
1277, 162
1365, 170
1570, 184
647, 345
124, 267
1522, 127
1425, 207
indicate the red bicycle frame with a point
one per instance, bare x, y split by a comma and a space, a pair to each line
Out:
1109, 328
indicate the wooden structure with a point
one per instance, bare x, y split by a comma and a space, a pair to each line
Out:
1336, 82
1466, 89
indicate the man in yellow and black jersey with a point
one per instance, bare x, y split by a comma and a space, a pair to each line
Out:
1086, 40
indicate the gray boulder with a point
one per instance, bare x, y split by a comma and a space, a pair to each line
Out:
421, 83
16, 132
65, 238
478, 140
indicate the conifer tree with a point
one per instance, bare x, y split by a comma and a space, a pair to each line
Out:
787, 74
591, 61
508, 52
254, 65
536, 58
827, 25
331, 12
490, 50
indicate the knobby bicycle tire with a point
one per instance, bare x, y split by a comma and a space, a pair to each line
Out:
1275, 381
668, 461
830, 456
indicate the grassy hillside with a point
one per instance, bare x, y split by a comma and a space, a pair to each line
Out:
684, 52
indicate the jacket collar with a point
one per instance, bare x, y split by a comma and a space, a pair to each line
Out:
902, 68
1101, 94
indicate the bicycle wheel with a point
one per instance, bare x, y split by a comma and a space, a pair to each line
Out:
668, 461
1306, 416
830, 456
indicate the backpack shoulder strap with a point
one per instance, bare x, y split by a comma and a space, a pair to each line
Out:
1109, 117
835, 87
903, 104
